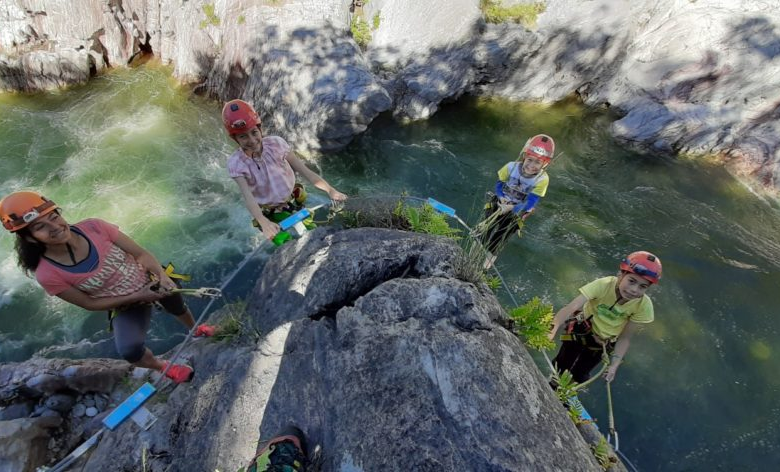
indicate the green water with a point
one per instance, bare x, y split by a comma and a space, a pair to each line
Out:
698, 389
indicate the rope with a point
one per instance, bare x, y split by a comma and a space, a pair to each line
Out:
209, 292
612, 431
206, 310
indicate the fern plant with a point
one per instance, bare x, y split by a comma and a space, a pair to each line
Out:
532, 322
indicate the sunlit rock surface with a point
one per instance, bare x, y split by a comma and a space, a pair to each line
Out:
370, 344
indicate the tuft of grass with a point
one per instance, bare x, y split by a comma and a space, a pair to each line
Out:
376, 20
234, 324
532, 322
241, 19
493, 282
524, 14
211, 16
360, 31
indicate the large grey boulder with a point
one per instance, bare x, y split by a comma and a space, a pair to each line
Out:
380, 354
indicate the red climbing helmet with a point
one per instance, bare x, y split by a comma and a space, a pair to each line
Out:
19, 209
239, 117
643, 264
540, 146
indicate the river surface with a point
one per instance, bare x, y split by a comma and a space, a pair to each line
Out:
698, 389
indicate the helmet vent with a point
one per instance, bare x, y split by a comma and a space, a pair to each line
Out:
233, 107
651, 258
544, 139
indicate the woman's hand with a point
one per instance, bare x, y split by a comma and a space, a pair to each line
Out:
269, 229
150, 292
336, 196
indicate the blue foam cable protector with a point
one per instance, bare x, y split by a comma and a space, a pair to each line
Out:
126, 409
440, 207
295, 218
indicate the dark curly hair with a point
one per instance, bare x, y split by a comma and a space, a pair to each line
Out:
28, 251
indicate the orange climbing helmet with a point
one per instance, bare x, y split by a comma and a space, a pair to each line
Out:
19, 209
643, 264
540, 146
239, 117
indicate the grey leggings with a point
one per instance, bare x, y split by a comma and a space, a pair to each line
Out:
131, 324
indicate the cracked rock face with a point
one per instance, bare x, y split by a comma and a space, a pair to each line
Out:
385, 360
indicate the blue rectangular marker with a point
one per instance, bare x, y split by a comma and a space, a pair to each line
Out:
295, 218
126, 409
441, 208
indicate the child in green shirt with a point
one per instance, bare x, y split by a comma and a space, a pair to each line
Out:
607, 313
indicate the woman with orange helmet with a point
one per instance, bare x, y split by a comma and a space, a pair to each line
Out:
93, 265
520, 185
264, 168
607, 313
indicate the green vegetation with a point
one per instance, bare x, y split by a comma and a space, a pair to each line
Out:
241, 19
419, 219
603, 454
493, 282
532, 321
566, 390
424, 219
360, 31
376, 21
234, 324
525, 14
211, 17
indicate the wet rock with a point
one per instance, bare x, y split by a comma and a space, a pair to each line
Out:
91, 411
60, 403
78, 410
23, 442
16, 410
101, 402
49, 413
88, 400
46, 383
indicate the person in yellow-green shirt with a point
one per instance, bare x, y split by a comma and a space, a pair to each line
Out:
520, 186
607, 312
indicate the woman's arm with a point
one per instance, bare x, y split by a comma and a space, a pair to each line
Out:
146, 259
311, 176
565, 313
621, 347
76, 297
269, 228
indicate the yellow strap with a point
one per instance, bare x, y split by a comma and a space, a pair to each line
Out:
169, 271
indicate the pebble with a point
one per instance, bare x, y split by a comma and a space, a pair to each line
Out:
89, 401
61, 403
79, 410
52, 413
101, 402
92, 411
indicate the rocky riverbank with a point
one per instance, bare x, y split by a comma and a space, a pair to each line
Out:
685, 77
